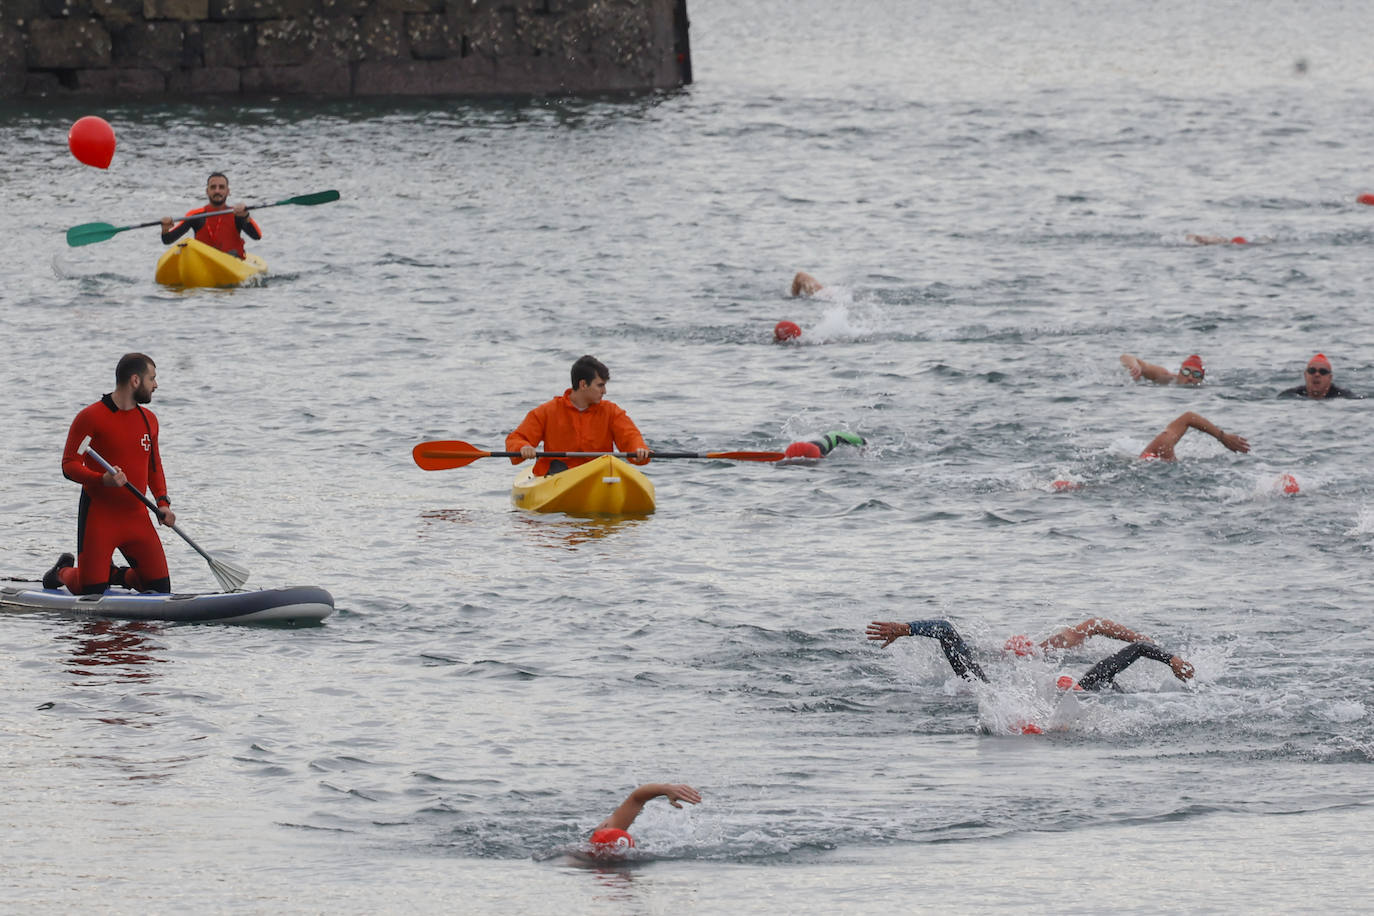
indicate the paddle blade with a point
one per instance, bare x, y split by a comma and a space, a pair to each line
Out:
90, 233
444, 454
230, 577
310, 200
747, 456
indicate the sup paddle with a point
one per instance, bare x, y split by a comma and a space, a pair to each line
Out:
90, 233
443, 454
229, 576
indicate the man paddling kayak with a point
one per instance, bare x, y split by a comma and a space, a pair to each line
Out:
110, 517
578, 420
224, 232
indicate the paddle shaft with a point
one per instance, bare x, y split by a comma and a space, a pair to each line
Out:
89, 233
86, 449
443, 454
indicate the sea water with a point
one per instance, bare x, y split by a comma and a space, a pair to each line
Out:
996, 196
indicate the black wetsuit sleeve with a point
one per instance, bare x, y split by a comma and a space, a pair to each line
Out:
1298, 392
1103, 674
245, 225
959, 655
177, 232
1341, 393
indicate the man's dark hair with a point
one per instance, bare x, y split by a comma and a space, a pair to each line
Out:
218, 175
588, 369
131, 364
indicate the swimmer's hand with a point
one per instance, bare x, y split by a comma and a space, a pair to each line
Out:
678, 794
1233, 442
1182, 670
887, 632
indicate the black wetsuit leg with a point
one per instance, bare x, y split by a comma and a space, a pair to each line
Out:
1102, 675
958, 653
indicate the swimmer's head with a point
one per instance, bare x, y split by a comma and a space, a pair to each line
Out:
1192, 371
1067, 683
1239, 240
1318, 376
1020, 644
802, 450
786, 330
611, 841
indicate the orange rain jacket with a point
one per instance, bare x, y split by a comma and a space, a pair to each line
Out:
603, 427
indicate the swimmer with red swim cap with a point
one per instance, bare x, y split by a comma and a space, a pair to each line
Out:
819, 448
1101, 676
611, 837
1192, 372
1318, 381
1217, 239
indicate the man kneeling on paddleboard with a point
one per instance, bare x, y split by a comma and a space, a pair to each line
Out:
578, 420
1101, 676
110, 516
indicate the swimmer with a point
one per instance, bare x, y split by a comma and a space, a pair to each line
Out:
819, 448
1101, 676
1162, 446
1216, 239
1190, 373
611, 836
1318, 382
803, 284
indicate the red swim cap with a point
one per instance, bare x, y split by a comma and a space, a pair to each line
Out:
1021, 644
802, 450
1193, 362
1319, 360
1290, 484
1366, 199
613, 838
1239, 240
1067, 683
786, 330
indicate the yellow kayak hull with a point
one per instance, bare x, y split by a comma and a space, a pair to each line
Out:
193, 263
602, 486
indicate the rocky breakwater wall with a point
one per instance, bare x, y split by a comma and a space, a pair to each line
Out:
160, 48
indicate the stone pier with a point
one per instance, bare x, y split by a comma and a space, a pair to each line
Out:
182, 48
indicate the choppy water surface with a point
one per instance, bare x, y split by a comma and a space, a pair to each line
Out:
997, 198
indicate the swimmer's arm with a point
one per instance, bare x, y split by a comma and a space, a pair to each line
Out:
629, 809
887, 632
1069, 637
1182, 670
1197, 421
1138, 368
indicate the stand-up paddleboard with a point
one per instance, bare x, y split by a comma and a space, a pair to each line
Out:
294, 604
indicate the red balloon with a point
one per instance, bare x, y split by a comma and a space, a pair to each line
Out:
92, 141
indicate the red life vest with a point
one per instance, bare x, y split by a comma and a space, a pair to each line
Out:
221, 231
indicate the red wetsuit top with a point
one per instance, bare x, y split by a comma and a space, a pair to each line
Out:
603, 427
111, 517
222, 232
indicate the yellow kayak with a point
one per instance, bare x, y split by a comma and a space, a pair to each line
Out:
193, 263
602, 486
